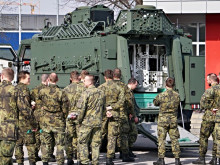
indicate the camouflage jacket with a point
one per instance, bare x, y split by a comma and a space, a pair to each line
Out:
54, 104
26, 116
73, 93
34, 97
114, 96
207, 99
8, 111
123, 110
169, 102
131, 105
90, 107
211, 100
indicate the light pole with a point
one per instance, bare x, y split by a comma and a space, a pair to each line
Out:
58, 12
19, 22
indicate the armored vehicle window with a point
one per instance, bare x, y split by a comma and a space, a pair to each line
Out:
27, 53
106, 16
7, 53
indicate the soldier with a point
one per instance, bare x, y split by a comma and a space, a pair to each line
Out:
133, 111
54, 105
73, 92
90, 109
124, 124
38, 115
167, 121
111, 115
208, 122
8, 117
27, 125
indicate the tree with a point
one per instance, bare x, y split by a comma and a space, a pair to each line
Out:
6, 6
113, 4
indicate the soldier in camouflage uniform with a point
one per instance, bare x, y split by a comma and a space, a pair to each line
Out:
8, 117
38, 115
54, 106
27, 125
208, 121
215, 95
73, 92
133, 111
167, 122
90, 111
124, 126
114, 101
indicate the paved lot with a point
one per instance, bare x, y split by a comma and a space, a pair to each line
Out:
146, 152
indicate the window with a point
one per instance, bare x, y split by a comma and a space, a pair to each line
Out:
7, 54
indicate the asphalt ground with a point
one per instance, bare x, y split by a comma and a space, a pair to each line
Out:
146, 152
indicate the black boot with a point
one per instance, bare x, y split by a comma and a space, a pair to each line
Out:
109, 161
37, 158
213, 161
131, 154
70, 162
78, 162
160, 161
32, 163
200, 160
126, 158
120, 155
177, 161
52, 159
45, 163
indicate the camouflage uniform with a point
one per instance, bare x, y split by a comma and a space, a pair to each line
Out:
167, 121
132, 109
73, 92
114, 98
37, 115
26, 125
90, 109
54, 105
216, 97
208, 122
8, 122
124, 127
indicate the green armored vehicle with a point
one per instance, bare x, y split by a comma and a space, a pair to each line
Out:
142, 42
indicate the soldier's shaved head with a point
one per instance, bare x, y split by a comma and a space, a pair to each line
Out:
108, 74
22, 75
44, 77
89, 80
74, 75
83, 74
8, 74
213, 77
117, 73
53, 77
170, 82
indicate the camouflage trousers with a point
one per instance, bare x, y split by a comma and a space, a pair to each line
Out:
27, 139
6, 152
59, 136
93, 136
122, 141
173, 132
37, 144
71, 139
113, 133
133, 133
207, 128
104, 127
217, 135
